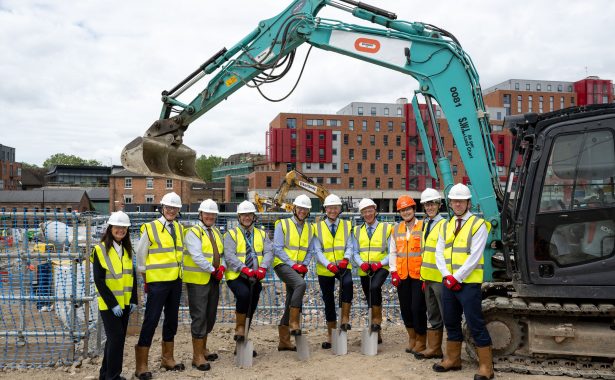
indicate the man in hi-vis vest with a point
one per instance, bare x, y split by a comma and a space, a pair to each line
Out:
159, 260
333, 249
203, 271
459, 256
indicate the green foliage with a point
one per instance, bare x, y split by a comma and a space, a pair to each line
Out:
25, 165
205, 165
68, 159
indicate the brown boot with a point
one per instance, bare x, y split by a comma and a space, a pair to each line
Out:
198, 357
419, 346
285, 344
330, 327
434, 346
240, 327
452, 360
411, 339
295, 321
376, 318
168, 361
485, 363
141, 354
209, 356
345, 322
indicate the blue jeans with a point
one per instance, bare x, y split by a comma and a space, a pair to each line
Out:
466, 301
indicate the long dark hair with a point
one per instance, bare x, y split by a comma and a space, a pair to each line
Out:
107, 240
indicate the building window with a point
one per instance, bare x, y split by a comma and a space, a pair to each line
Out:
351, 154
398, 111
321, 153
308, 136
450, 155
377, 183
127, 199
127, 183
334, 152
537, 86
414, 141
390, 154
403, 127
498, 115
321, 166
291, 123
377, 154
403, 155
519, 100
386, 111
321, 136
569, 88
346, 168
372, 140
378, 126
351, 125
169, 183
308, 165
359, 140
360, 111
527, 86
390, 126
149, 199
548, 87
560, 88
398, 140
398, 169
359, 168
364, 154
372, 168
373, 111
293, 154
385, 168
364, 125
308, 153
364, 182
385, 140
540, 101
529, 103
351, 183
268, 181
293, 136
420, 156
345, 139
561, 102
550, 104
516, 86
390, 183
506, 99
454, 170
149, 183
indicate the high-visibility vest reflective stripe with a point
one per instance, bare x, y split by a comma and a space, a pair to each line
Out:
241, 248
118, 275
164, 259
457, 248
194, 274
375, 249
429, 269
295, 246
333, 247
408, 250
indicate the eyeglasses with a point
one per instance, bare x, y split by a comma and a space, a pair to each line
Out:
171, 209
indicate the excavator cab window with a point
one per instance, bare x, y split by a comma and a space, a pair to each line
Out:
576, 217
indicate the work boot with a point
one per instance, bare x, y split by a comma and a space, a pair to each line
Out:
295, 321
452, 360
434, 346
168, 361
419, 346
345, 322
285, 344
376, 318
209, 356
485, 363
240, 327
411, 339
198, 357
141, 354
330, 327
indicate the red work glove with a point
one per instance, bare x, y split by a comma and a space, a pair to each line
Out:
395, 279
219, 273
297, 268
343, 264
247, 271
365, 267
423, 286
260, 273
332, 268
452, 283
304, 269
376, 266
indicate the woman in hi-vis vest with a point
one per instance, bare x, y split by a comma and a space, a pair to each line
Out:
114, 277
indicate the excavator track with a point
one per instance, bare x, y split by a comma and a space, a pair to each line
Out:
508, 320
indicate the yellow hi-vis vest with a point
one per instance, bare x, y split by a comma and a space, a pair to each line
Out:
194, 274
429, 269
376, 249
333, 247
295, 246
164, 259
457, 248
408, 249
118, 274
241, 247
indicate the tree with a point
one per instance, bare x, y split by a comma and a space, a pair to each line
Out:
68, 159
205, 165
25, 165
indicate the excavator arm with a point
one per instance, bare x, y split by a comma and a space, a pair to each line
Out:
293, 179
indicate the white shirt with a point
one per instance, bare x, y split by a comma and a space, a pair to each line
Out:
195, 249
118, 249
476, 251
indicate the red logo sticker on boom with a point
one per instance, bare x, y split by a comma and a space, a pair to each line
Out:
367, 45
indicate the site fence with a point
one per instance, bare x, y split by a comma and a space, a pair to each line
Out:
48, 307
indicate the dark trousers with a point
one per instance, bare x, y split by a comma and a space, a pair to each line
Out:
295, 290
412, 305
115, 329
161, 295
203, 306
375, 289
327, 288
467, 301
241, 289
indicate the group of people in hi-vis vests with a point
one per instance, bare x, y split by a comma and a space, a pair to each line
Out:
436, 265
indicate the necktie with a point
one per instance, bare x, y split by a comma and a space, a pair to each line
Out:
250, 259
332, 227
458, 227
370, 231
216, 260
429, 226
172, 232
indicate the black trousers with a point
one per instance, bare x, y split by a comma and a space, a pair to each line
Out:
327, 288
161, 295
241, 289
375, 289
115, 329
412, 304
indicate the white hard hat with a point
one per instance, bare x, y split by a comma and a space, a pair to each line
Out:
119, 218
209, 205
430, 194
332, 200
366, 202
246, 207
303, 201
171, 199
459, 191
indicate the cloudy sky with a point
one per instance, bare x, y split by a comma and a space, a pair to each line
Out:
84, 77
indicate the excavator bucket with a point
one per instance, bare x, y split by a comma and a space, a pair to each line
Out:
155, 156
